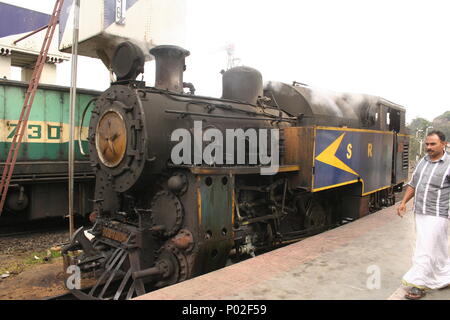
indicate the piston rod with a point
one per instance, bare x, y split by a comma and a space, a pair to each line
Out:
154, 271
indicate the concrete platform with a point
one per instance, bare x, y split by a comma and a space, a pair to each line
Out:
365, 259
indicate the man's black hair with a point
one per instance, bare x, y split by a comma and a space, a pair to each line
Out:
438, 133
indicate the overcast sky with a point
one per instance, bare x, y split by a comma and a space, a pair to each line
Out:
396, 49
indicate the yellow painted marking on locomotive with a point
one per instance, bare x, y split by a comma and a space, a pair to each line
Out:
354, 130
335, 185
350, 182
349, 151
288, 168
328, 156
369, 150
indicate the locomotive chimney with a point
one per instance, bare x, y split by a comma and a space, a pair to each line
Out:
169, 67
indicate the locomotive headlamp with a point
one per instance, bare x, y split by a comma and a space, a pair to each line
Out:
111, 138
128, 61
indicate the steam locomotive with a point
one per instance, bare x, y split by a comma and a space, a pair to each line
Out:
185, 182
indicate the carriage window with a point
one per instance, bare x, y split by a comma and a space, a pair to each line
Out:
393, 120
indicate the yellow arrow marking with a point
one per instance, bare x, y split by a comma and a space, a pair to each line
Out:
328, 156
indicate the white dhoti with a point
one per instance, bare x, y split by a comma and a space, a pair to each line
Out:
431, 262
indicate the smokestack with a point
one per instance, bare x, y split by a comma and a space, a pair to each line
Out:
169, 67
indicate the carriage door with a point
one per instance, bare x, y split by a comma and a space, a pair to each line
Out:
393, 125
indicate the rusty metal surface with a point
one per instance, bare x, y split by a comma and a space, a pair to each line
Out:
184, 240
299, 150
114, 235
215, 220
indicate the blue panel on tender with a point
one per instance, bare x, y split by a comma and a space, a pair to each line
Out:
16, 20
344, 156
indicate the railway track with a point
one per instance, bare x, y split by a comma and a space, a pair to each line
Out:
18, 228
35, 236
7, 233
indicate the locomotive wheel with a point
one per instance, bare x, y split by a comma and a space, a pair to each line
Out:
316, 215
313, 213
179, 265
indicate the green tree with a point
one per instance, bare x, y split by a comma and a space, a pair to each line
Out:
417, 129
442, 123
420, 126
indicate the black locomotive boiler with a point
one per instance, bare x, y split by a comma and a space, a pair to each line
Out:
161, 220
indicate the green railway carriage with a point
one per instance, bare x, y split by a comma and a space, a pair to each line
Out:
39, 183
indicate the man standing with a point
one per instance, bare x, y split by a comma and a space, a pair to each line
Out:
430, 187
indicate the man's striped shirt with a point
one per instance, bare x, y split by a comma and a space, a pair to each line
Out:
431, 181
